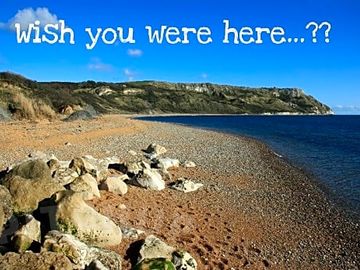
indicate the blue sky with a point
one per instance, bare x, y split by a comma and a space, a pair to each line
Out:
328, 71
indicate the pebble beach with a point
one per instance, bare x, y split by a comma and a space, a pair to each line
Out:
254, 211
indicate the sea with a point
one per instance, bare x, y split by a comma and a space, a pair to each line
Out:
327, 147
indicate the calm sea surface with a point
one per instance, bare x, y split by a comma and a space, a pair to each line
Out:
326, 146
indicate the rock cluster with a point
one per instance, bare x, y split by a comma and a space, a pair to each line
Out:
45, 222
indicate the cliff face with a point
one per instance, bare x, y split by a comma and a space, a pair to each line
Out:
156, 97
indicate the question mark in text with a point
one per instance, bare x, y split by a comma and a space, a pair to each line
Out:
317, 27
328, 25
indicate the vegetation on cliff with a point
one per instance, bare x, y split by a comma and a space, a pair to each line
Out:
24, 98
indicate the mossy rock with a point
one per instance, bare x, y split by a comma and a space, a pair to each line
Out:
155, 264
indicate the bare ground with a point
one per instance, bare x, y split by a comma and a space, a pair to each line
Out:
254, 212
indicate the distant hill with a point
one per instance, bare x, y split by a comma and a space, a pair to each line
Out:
24, 98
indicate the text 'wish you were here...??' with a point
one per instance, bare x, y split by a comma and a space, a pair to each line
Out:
61, 33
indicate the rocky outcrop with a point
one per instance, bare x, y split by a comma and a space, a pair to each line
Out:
29, 183
73, 233
74, 216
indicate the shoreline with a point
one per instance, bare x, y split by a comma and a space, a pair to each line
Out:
282, 219
331, 195
225, 114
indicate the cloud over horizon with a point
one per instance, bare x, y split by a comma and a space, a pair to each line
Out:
30, 15
347, 109
98, 65
129, 74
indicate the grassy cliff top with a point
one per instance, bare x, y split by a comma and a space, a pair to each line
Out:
25, 98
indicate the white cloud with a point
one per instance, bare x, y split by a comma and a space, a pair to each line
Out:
30, 15
129, 74
97, 65
135, 52
347, 109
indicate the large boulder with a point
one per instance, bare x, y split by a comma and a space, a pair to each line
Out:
115, 184
28, 232
87, 186
38, 261
29, 183
159, 255
150, 179
81, 255
75, 217
6, 208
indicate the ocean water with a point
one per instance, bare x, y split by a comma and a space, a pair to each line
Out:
328, 147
